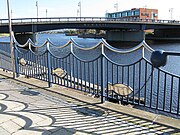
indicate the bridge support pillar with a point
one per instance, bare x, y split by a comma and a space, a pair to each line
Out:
23, 37
120, 35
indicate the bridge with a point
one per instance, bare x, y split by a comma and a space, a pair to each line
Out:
117, 29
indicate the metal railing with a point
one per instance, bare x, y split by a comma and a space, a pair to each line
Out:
85, 19
103, 71
5, 58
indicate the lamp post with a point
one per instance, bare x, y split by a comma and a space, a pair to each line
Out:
11, 38
145, 7
116, 6
171, 13
37, 9
46, 13
11, 14
79, 5
77, 12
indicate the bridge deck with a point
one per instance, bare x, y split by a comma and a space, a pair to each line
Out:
43, 24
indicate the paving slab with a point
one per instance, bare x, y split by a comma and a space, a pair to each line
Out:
28, 107
10, 126
4, 132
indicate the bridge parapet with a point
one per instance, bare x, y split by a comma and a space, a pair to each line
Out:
85, 19
33, 25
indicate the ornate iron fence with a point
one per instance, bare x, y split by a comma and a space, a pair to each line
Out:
5, 58
104, 71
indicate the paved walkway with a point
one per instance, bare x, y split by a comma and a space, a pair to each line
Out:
28, 110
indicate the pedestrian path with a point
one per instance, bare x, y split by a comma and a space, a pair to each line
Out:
27, 111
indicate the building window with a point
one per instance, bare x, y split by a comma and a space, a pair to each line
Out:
145, 14
109, 15
118, 15
155, 15
113, 15
136, 13
124, 14
130, 13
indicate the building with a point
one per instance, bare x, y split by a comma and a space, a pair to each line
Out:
135, 13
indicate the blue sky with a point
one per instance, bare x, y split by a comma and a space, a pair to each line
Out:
95, 8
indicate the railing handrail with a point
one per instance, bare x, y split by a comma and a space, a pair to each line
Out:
101, 42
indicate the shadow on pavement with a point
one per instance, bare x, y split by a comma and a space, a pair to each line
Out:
49, 114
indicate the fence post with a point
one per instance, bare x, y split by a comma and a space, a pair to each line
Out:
16, 61
71, 65
102, 76
49, 66
143, 51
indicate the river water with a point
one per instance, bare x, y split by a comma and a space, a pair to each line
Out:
173, 63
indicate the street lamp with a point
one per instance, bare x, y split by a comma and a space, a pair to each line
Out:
171, 13
77, 12
11, 38
46, 13
146, 15
116, 6
37, 8
79, 5
11, 14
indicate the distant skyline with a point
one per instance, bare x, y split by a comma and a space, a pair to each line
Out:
89, 8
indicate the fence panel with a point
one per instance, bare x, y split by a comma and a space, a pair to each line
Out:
98, 73
5, 57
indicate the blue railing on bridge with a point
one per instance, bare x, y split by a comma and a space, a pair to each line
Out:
85, 19
101, 70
